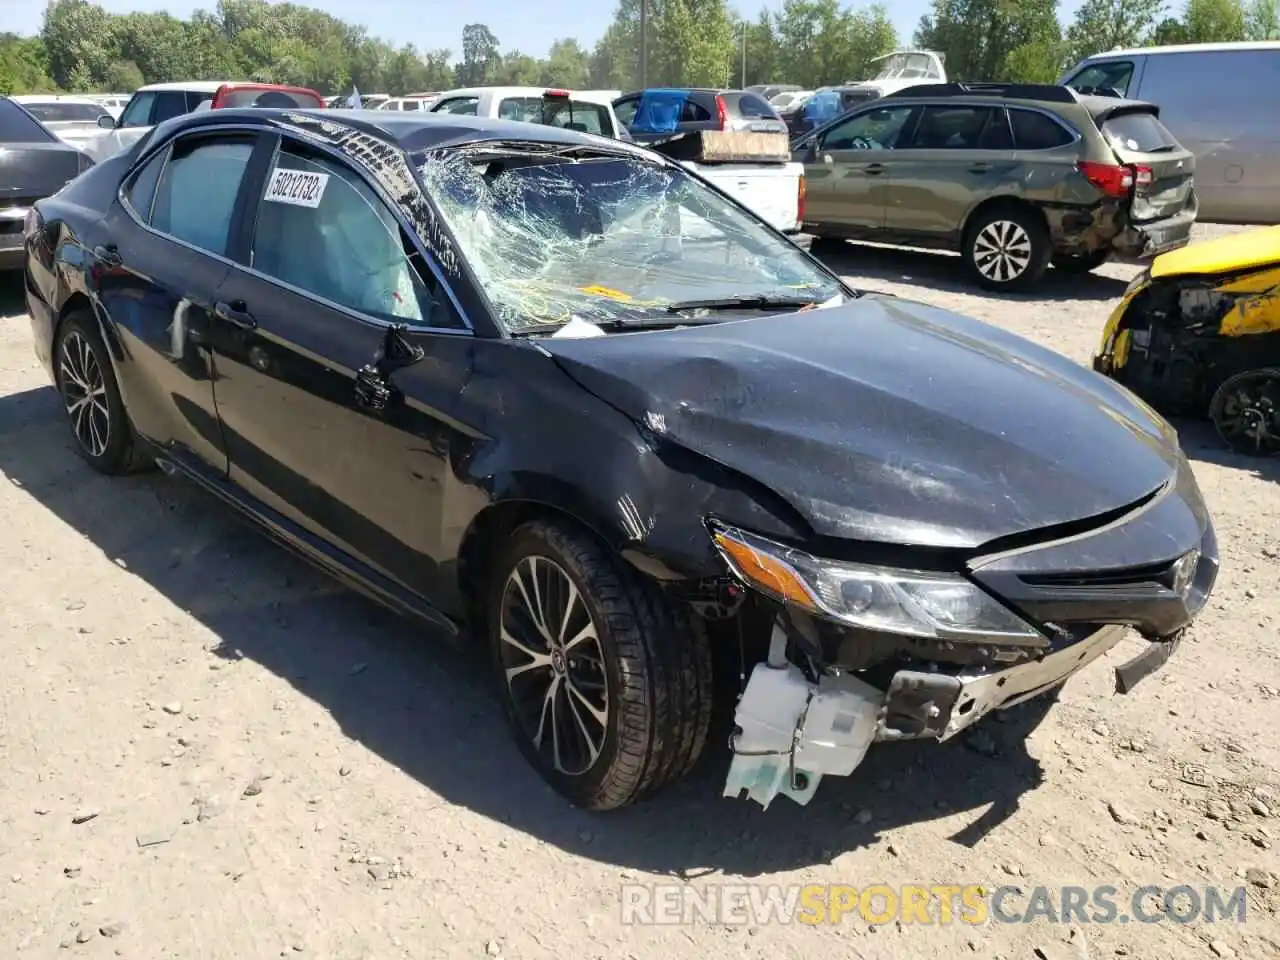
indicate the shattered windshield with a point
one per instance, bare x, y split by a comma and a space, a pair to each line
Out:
606, 238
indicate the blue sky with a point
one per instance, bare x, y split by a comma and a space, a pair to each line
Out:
530, 26
430, 24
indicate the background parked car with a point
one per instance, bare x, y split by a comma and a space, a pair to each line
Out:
583, 111
159, 102
410, 103
1013, 176
34, 164
789, 99
114, 102
771, 90
660, 112
1203, 92
823, 106
73, 120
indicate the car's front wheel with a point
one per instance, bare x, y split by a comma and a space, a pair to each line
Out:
1007, 248
606, 683
91, 397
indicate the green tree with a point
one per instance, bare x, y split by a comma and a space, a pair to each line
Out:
763, 51
24, 66
1169, 30
123, 76
79, 41
986, 39
480, 56
567, 65
1102, 25
822, 43
1262, 20
1214, 21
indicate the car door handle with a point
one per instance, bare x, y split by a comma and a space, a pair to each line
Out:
980, 168
108, 253
874, 168
235, 314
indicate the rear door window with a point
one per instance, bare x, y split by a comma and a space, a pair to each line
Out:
16, 126
1139, 133
662, 111
170, 104
465, 106
197, 193
576, 115
1035, 131
749, 105
527, 109
951, 128
1110, 78
141, 190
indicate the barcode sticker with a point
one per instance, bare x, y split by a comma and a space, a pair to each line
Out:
301, 188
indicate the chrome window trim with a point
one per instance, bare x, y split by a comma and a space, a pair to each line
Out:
255, 130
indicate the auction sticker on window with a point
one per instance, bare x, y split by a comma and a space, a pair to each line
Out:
302, 188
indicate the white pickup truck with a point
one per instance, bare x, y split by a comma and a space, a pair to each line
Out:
772, 191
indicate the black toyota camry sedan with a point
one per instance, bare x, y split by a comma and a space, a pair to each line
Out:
559, 395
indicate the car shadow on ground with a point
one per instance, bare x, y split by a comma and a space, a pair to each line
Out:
866, 263
12, 302
1201, 442
428, 708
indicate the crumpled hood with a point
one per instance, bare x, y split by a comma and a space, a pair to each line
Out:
889, 420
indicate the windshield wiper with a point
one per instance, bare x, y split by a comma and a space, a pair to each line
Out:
750, 302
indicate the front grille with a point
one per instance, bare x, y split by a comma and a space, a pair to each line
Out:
1157, 573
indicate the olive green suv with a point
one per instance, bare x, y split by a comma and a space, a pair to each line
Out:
1013, 176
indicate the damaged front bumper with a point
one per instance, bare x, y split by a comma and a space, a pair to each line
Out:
793, 732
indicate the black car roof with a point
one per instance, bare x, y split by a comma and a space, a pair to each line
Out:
410, 131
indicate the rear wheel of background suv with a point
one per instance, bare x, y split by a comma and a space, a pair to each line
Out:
1006, 248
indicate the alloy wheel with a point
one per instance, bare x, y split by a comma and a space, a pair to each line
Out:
554, 667
1246, 412
1002, 251
84, 392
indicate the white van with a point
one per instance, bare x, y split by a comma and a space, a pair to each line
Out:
1222, 102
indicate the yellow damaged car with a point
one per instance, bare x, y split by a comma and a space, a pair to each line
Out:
1198, 334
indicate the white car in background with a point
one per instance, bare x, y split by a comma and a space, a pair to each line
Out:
403, 104
581, 110
150, 105
113, 102
73, 120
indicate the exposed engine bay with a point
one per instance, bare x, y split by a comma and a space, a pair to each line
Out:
1202, 346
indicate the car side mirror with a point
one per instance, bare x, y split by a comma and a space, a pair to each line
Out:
107, 122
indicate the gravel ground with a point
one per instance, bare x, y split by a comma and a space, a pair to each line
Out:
210, 751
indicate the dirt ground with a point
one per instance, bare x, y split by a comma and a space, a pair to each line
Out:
207, 750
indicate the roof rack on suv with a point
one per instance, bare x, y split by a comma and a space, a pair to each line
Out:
1047, 92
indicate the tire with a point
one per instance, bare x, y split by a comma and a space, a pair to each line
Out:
1245, 411
1002, 238
638, 689
1080, 265
86, 381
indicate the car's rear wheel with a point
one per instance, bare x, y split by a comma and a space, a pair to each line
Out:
1078, 264
91, 397
1007, 248
1245, 410
605, 682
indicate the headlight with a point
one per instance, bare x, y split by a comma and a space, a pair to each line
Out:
1138, 282
916, 603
